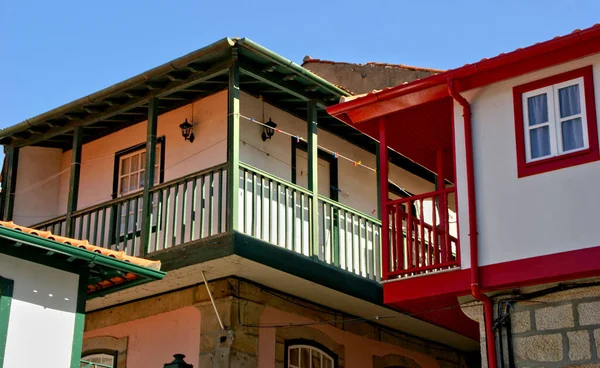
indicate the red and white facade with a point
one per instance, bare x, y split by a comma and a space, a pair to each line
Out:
514, 143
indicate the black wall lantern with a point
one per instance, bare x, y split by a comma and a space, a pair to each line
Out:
268, 130
186, 131
178, 362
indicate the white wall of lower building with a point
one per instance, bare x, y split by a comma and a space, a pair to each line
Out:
525, 217
42, 314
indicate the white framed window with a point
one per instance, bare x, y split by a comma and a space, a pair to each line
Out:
308, 356
132, 169
100, 360
555, 120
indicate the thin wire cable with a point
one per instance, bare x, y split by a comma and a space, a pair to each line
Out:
299, 138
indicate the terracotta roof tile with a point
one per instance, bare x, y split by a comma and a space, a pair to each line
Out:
84, 244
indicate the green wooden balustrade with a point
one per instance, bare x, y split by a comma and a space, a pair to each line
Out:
271, 209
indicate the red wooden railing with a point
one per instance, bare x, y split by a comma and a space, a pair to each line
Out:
423, 234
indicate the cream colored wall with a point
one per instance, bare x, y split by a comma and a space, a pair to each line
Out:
152, 341
42, 314
525, 217
358, 185
209, 116
35, 202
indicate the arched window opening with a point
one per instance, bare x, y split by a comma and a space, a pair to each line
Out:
98, 360
309, 355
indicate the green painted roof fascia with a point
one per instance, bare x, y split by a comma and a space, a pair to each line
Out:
140, 78
256, 48
81, 254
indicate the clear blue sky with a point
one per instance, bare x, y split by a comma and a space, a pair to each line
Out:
52, 52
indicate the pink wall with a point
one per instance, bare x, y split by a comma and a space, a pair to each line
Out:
152, 341
359, 351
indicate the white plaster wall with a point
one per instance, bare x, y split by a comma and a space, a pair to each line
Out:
35, 202
42, 314
358, 185
209, 116
524, 217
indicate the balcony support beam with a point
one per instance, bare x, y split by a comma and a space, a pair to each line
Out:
9, 182
313, 176
151, 129
74, 180
233, 145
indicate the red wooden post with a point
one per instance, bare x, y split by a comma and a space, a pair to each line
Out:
383, 188
442, 207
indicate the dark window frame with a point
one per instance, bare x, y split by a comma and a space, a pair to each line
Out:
307, 342
138, 147
116, 170
333, 166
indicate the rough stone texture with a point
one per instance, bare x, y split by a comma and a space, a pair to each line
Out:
520, 321
597, 340
579, 345
363, 78
539, 348
589, 313
552, 318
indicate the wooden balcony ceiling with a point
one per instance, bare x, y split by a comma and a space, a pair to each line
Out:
108, 270
193, 76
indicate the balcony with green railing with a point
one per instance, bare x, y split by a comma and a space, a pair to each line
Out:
195, 208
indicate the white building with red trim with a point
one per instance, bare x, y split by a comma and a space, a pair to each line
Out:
513, 141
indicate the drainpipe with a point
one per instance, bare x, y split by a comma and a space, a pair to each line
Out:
488, 309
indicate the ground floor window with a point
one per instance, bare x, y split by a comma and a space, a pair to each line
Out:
308, 354
100, 360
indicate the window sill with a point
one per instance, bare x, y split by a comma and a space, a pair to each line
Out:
558, 162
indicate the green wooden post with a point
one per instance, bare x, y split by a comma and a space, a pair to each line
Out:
148, 176
233, 145
77, 346
313, 177
9, 183
74, 180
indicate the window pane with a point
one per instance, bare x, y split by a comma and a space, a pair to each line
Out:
572, 134
569, 101
135, 163
293, 358
538, 109
141, 179
540, 142
125, 166
327, 362
316, 359
133, 183
305, 358
124, 184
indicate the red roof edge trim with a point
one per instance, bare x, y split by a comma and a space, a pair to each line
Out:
486, 65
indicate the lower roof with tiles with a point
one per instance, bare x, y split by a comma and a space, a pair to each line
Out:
107, 270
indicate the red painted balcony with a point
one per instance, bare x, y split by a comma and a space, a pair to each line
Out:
423, 234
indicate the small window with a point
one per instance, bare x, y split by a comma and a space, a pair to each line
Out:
309, 355
131, 171
130, 168
555, 122
100, 360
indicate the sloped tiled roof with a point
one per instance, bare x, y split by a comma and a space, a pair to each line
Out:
308, 60
105, 283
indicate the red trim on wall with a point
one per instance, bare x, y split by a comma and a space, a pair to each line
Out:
562, 161
557, 267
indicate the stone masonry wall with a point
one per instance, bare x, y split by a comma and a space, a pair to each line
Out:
558, 330
554, 330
